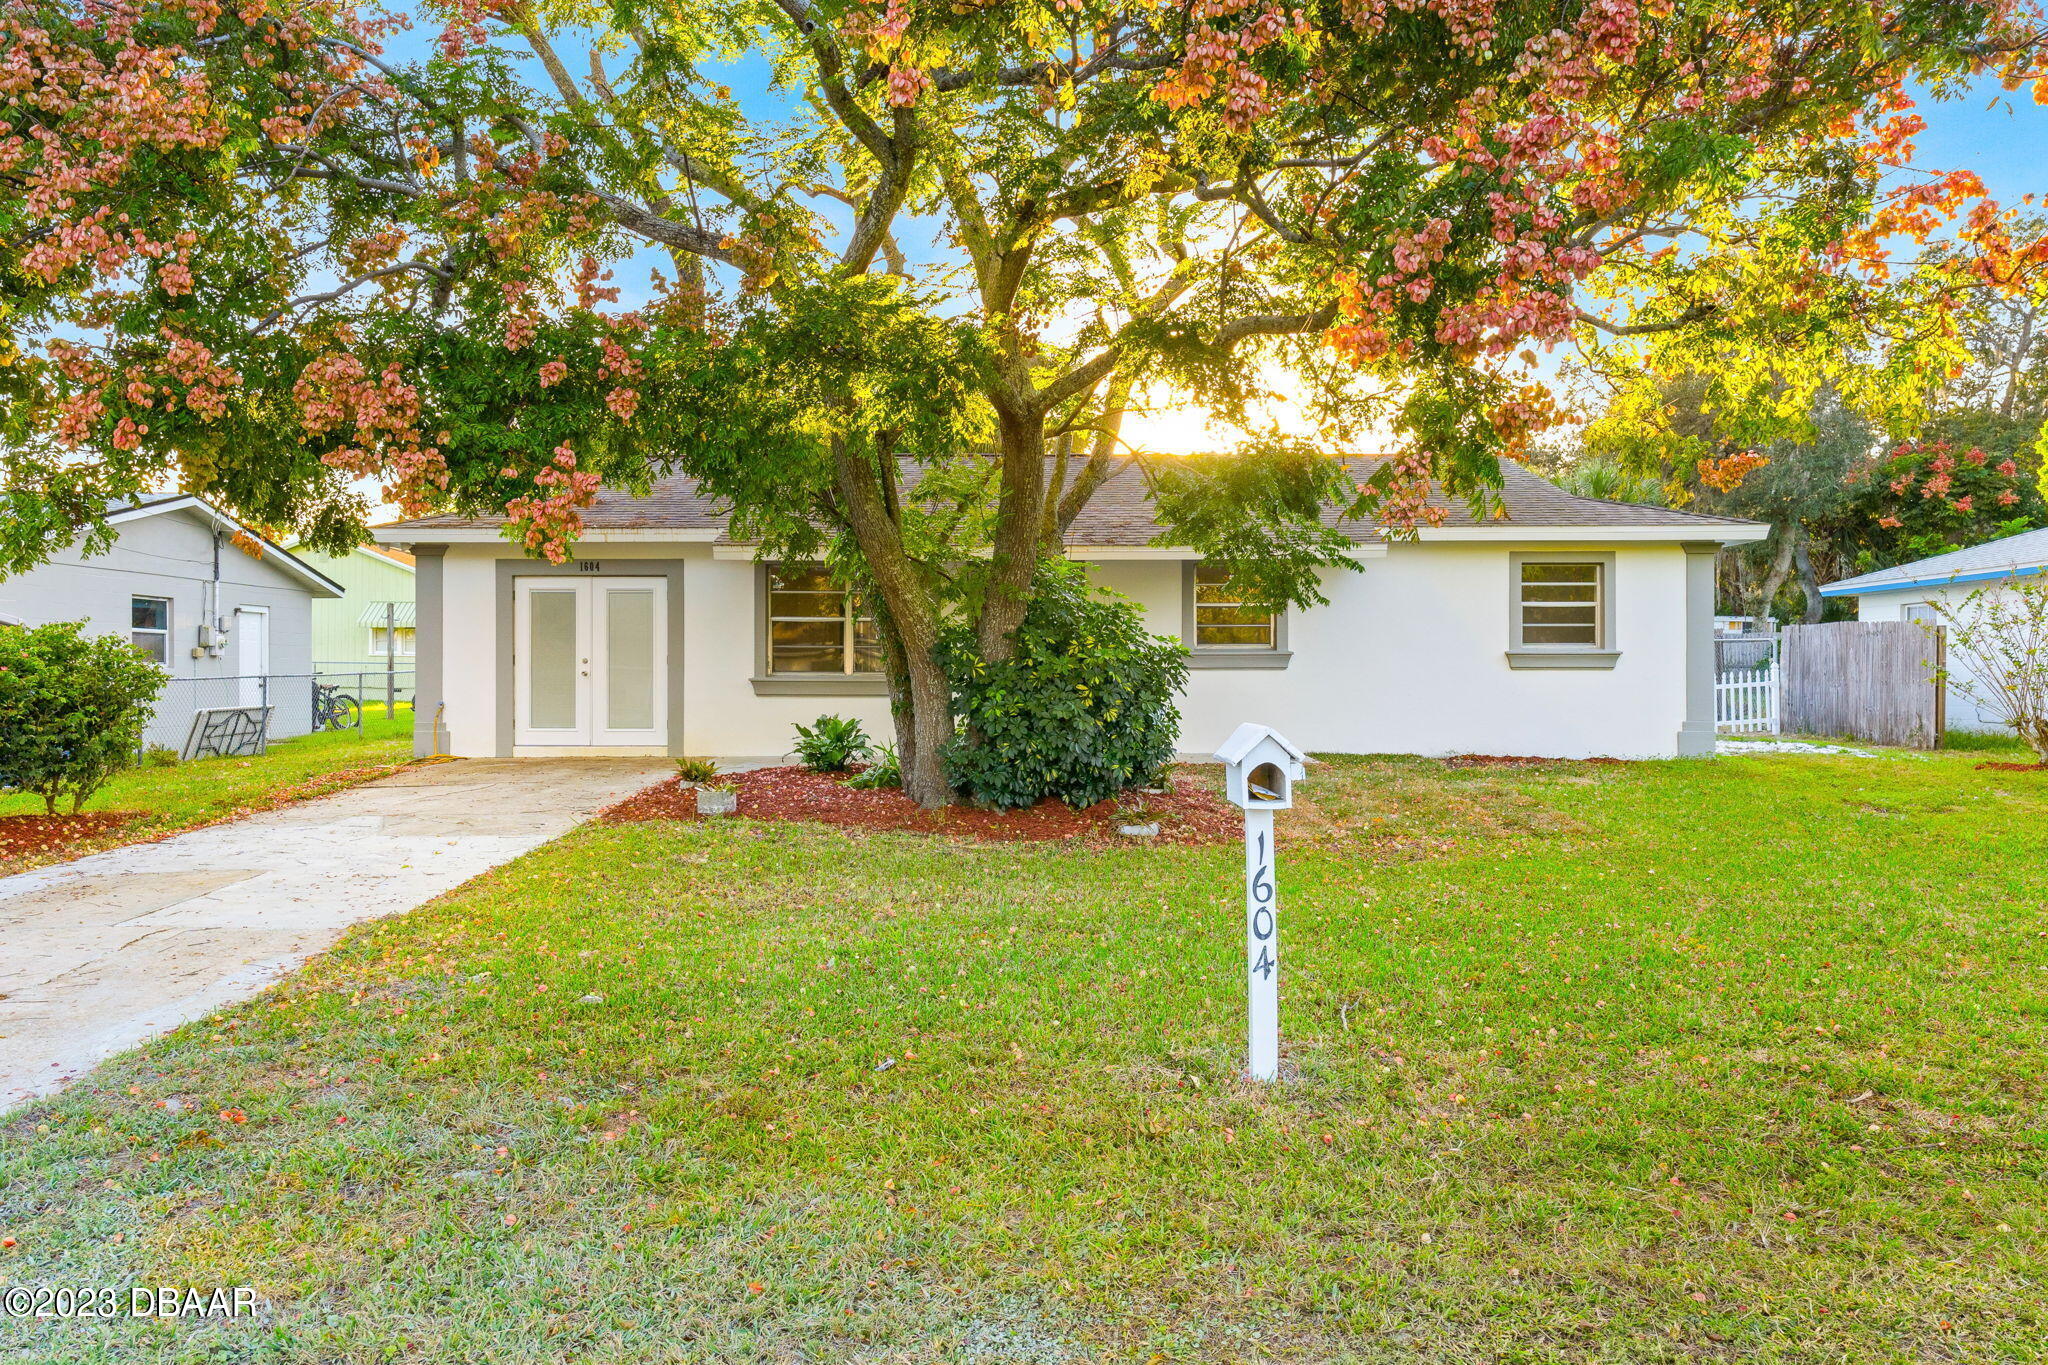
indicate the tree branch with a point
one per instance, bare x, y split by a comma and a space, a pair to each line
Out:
1697, 313
346, 286
655, 228
831, 80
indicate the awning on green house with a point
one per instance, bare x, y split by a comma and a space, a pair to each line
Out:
402, 614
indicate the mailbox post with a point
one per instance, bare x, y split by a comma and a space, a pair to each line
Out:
1260, 769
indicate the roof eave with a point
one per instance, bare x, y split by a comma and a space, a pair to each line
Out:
320, 584
1725, 533
386, 559
1852, 587
401, 534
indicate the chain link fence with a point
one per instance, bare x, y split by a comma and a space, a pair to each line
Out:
300, 703
359, 691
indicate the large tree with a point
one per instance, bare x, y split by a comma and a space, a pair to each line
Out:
252, 246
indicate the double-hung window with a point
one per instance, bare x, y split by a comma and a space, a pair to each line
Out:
1224, 629
816, 627
1560, 610
381, 643
149, 627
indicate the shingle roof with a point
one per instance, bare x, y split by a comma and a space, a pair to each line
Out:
673, 504
2006, 557
1120, 513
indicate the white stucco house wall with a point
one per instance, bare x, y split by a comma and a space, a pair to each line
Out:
1567, 628
227, 613
1910, 592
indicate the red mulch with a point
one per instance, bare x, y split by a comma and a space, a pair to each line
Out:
1520, 761
2013, 767
26, 835
1188, 811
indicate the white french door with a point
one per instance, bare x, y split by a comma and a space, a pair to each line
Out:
590, 662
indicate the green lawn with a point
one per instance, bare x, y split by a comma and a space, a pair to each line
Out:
208, 789
1732, 1059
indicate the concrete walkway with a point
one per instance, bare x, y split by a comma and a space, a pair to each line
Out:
100, 954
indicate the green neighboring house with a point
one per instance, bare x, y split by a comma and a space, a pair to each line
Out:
372, 626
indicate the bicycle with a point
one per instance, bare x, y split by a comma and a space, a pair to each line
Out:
334, 709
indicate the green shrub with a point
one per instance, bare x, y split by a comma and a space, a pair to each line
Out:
161, 756
1082, 710
72, 710
831, 744
885, 771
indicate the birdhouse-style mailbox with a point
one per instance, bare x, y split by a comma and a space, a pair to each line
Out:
1260, 768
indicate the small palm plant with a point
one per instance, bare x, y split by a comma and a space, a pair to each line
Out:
831, 744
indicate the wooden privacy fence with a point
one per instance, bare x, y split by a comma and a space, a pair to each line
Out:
1871, 680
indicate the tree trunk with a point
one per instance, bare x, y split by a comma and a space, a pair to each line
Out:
1020, 517
920, 711
1070, 492
1781, 568
922, 730
896, 671
1809, 583
922, 704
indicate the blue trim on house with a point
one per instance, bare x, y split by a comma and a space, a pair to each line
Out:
1944, 580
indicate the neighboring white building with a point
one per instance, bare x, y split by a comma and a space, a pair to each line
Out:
1568, 627
1908, 592
227, 613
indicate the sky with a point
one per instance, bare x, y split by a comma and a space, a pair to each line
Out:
2002, 137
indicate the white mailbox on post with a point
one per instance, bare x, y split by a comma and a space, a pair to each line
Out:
1260, 768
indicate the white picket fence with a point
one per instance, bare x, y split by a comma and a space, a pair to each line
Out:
1749, 686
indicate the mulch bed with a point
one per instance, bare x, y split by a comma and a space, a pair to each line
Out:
1188, 811
23, 836
2013, 767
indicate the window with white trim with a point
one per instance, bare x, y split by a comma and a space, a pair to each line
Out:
817, 627
149, 627
406, 636
1223, 620
1560, 603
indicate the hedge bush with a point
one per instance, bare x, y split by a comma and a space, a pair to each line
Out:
1081, 711
72, 709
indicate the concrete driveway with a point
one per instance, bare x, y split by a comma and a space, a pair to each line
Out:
100, 954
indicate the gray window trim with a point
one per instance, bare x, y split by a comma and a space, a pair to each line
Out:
768, 684
1278, 655
170, 620
1600, 655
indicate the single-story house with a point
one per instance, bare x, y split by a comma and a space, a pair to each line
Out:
1567, 627
226, 612
1910, 592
